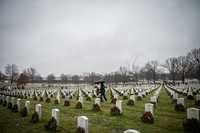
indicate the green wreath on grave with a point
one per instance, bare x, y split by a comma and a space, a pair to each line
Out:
35, 98
130, 102
5, 103
80, 130
174, 101
56, 101
115, 111
197, 102
24, 112
139, 98
179, 107
51, 124
41, 99
35, 117
79, 105
191, 125
125, 97
190, 97
96, 107
67, 103
14, 108
9, 105
147, 117
143, 95
1, 101
48, 100
88, 99
114, 100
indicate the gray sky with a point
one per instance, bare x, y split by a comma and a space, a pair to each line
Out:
73, 37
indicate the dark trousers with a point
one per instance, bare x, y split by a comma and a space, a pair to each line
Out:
103, 95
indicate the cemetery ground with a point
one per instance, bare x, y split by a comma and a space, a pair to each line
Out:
166, 119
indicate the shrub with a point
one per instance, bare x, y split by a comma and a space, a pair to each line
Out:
190, 97
115, 111
197, 102
9, 105
79, 105
179, 107
147, 117
80, 130
96, 107
24, 112
114, 100
48, 100
14, 108
130, 102
67, 103
51, 124
191, 125
56, 101
35, 117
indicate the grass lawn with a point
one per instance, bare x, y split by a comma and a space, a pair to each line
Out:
167, 120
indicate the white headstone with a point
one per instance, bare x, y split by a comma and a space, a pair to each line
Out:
193, 113
190, 93
139, 94
7, 99
131, 131
27, 105
83, 123
58, 98
97, 101
149, 108
132, 97
119, 105
13, 101
81, 100
38, 109
116, 96
3, 98
49, 95
19, 104
56, 115
180, 101
154, 99
175, 96
197, 97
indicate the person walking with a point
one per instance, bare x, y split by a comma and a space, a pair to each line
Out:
102, 91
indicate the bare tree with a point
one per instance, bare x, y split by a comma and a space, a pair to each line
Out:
182, 67
135, 71
123, 71
75, 79
194, 62
92, 77
12, 72
31, 73
64, 78
22, 79
152, 67
171, 66
1, 76
38, 78
51, 78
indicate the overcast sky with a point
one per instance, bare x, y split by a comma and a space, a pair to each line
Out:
72, 37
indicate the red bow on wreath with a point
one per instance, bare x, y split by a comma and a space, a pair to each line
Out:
148, 115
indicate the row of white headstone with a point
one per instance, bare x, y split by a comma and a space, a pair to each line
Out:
191, 112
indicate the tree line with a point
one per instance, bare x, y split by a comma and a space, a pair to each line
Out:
174, 68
